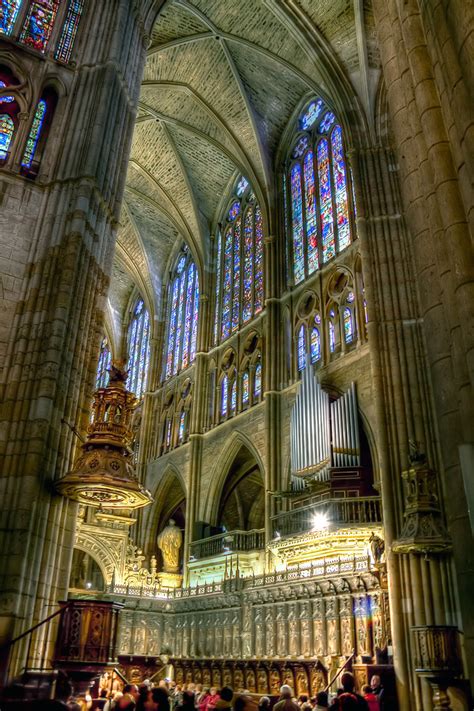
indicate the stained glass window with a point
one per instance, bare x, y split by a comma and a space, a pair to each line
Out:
34, 135
310, 213
181, 427
257, 387
348, 324
8, 14
245, 388
6, 134
315, 345
316, 193
169, 426
366, 314
5, 99
105, 358
239, 264
233, 397
183, 313
297, 222
311, 114
224, 396
39, 23
69, 31
340, 188
138, 349
332, 337
302, 348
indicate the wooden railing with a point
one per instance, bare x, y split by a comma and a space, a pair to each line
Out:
229, 542
347, 511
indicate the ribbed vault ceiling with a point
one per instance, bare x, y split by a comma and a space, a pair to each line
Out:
222, 80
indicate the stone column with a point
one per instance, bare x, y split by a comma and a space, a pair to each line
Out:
55, 334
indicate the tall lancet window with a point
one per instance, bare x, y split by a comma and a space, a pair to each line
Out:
138, 349
183, 313
105, 359
239, 263
8, 14
39, 23
318, 200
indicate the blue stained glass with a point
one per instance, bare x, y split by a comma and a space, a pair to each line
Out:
218, 287
310, 212
105, 358
242, 186
332, 337
317, 319
181, 264
8, 14
234, 210
7, 128
138, 349
300, 147
181, 428
325, 198
179, 326
297, 223
245, 388
34, 135
257, 388
172, 328
227, 284
302, 348
315, 345
350, 297
327, 122
248, 265
366, 314
39, 23
5, 99
258, 265
224, 395
195, 319
233, 397
69, 31
311, 114
168, 433
236, 294
340, 187
348, 324
188, 317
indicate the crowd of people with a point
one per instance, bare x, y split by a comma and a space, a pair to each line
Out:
169, 696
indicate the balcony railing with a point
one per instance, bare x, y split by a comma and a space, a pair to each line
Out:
229, 542
347, 511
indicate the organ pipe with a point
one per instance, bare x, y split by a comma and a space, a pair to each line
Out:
323, 434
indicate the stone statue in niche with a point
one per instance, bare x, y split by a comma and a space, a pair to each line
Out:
262, 681
275, 681
270, 632
301, 682
169, 542
293, 637
377, 549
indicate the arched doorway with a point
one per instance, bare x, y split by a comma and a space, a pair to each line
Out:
242, 501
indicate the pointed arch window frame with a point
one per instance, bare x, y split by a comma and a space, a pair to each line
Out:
138, 348
239, 263
303, 263
182, 315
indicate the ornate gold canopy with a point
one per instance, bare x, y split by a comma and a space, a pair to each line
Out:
104, 474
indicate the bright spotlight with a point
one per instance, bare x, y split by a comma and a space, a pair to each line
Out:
320, 522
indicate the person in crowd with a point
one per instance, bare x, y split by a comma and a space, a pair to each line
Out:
348, 699
224, 701
264, 704
203, 698
302, 700
245, 702
322, 701
286, 702
377, 689
129, 699
188, 703
112, 703
371, 698
213, 699
161, 698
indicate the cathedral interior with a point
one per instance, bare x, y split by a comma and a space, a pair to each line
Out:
236, 345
